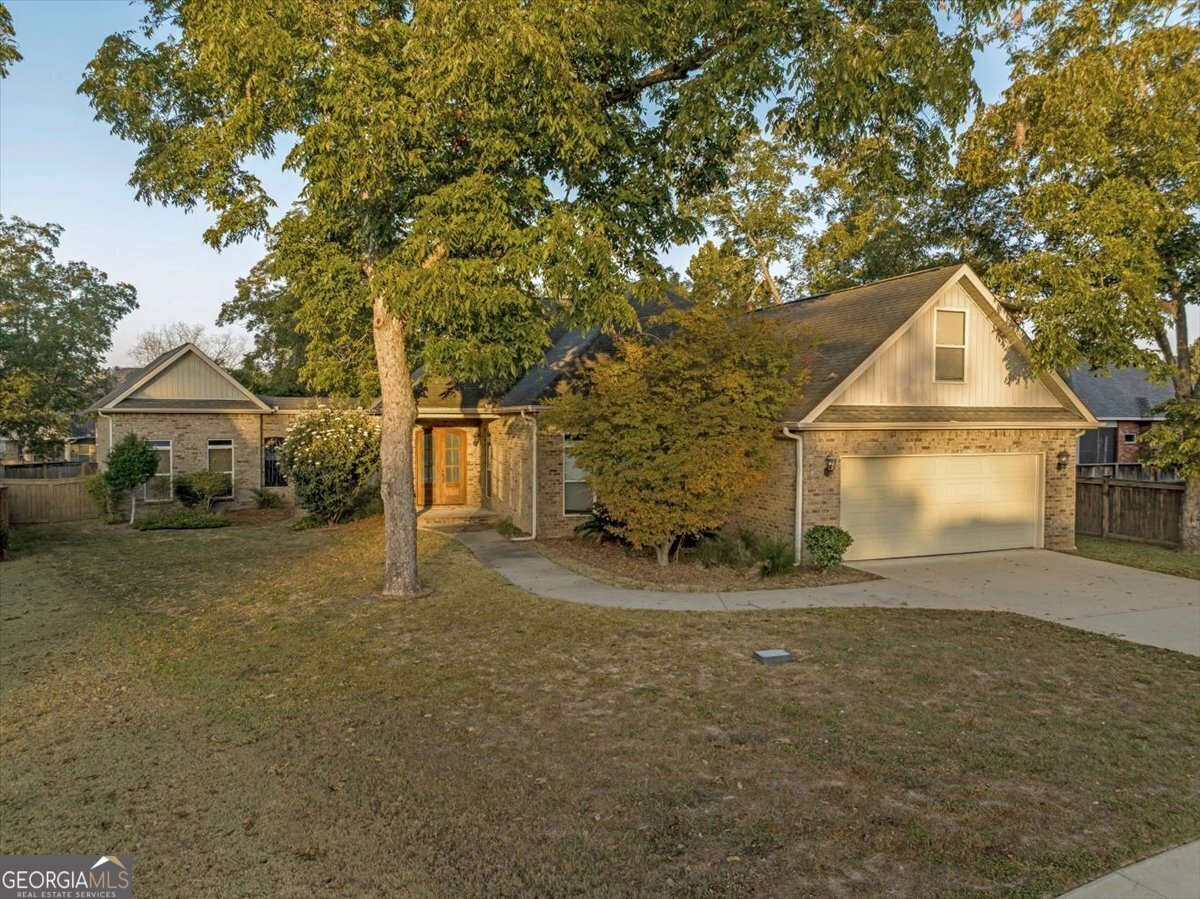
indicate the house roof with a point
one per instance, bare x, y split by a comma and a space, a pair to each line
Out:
575, 351
1119, 394
852, 324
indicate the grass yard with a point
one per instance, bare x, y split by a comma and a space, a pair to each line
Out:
611, 563
232, 709
1139, 555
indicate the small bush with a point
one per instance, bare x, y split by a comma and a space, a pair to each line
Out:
106, 497
202, 488
827, 545
307, 523
505, 527
773, 555
182, 519
599, 525
5, 541
267, 499
718, 551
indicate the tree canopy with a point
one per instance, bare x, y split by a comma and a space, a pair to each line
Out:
56, 325
8, 42
484, 171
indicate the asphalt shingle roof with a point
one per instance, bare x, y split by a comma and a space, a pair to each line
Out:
1121, 394
851, 324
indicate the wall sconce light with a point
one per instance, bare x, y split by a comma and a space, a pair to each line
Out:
1063, 458
830, 464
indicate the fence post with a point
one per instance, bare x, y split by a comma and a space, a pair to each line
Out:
1104, 506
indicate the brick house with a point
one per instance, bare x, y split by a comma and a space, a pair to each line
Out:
1123, 401
922, 429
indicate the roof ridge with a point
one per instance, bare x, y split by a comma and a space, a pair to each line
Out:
829, 293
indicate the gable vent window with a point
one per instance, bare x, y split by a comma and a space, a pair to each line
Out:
950, 345
220, 459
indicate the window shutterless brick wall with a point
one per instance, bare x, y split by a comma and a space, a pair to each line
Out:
769, 507
189, 434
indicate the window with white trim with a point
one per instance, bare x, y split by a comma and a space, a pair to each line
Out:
158, 488
577, 492
950, 345
220, 459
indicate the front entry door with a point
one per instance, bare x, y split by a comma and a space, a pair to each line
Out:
440, 466
449, 467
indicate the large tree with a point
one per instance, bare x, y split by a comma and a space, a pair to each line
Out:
226, 348
56, 324
1089, 169
484, 169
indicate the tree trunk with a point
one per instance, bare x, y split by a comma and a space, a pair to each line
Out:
662, 552
396, 454
132, 505
1189, 518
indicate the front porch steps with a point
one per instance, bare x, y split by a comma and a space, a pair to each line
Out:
457, 518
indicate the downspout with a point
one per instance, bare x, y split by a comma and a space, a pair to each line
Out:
533, 526
100, 414
798, 536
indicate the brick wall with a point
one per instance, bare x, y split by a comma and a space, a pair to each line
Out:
770, 506
189, 434
1127, 451
511, 445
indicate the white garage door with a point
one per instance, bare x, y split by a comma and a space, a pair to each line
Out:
929, 505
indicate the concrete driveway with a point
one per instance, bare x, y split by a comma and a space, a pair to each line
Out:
1142, 606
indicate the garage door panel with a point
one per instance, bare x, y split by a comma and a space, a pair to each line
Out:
927, 505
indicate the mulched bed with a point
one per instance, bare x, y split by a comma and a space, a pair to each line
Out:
611, 563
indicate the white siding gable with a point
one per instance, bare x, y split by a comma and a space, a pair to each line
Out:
996, 375
189, 378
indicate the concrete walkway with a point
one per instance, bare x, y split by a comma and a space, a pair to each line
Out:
1142, 606
1174, 874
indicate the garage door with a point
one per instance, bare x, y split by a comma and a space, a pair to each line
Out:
930, 505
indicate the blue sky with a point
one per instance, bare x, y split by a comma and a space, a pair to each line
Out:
58, 165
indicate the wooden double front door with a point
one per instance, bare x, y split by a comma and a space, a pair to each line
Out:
440, 460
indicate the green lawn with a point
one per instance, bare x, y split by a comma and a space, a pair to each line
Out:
234, 710
1139, 555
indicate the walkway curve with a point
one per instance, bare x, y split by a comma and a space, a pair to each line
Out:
1140, 606
527, 568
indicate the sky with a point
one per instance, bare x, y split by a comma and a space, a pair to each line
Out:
57, 164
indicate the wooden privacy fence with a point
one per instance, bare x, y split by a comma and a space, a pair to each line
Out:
31, 501
1131, 510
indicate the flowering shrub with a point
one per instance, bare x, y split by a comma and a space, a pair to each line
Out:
329, 457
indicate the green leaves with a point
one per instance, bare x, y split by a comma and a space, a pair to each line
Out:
674, 430
1091, 161
56, 324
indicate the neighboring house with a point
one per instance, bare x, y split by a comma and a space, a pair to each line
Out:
1123, 400
921, 430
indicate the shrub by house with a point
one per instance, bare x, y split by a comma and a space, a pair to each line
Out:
330, 457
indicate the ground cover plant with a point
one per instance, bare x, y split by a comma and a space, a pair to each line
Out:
231, 704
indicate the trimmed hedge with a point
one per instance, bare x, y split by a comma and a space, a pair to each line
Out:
182, 519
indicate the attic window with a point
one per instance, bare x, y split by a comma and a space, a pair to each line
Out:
950, 345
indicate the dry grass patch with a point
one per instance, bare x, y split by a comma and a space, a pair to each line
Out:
613, 564
230, 708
